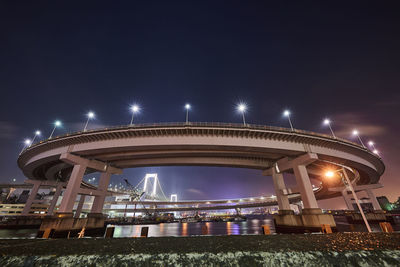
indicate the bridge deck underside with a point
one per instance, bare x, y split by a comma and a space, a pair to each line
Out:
252, 147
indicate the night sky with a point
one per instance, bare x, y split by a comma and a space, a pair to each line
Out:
58, 61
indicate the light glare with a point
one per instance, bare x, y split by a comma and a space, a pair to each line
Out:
135, 108
329, 174
327, 121
38, 133
57, 123
90, 115
286, 113
242, 107
27, 142
187, 106
355, 132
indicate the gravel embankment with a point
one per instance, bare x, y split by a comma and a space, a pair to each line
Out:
339, 249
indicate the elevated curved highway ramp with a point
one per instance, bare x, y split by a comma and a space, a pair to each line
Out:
199, 144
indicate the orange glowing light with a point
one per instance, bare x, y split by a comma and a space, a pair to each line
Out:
329, 174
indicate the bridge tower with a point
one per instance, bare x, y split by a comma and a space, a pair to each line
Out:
146, 178
174, 197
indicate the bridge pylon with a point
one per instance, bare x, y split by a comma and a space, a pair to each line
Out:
146, 178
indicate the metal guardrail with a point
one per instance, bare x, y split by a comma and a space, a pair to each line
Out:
203, 124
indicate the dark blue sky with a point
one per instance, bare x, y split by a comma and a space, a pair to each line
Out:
59, 60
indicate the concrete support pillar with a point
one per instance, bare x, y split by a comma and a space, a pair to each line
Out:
54, 200
374, 201
31, 198
74, 183
279, 186
98, 202
304, 184
347, 199
80, 206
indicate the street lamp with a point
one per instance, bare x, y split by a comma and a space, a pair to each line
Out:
56, 124
286, 113
134, 109
355, 132
27, 142
187, 107
90, 115
372, 145
241, 107
346, 182
37, 133
328, 122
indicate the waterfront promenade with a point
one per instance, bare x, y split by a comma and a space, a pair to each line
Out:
339, 249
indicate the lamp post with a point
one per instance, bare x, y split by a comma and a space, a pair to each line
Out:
372, 145
134, 109
286, 113
241, 107
27, 142
328, 122
347, 183
90, 115
37, 133
355, 132
187, 107
56, 124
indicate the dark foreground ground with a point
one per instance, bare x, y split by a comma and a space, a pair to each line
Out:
340, 249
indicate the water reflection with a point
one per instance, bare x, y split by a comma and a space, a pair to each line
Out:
189, 229
251, 226
184, 229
